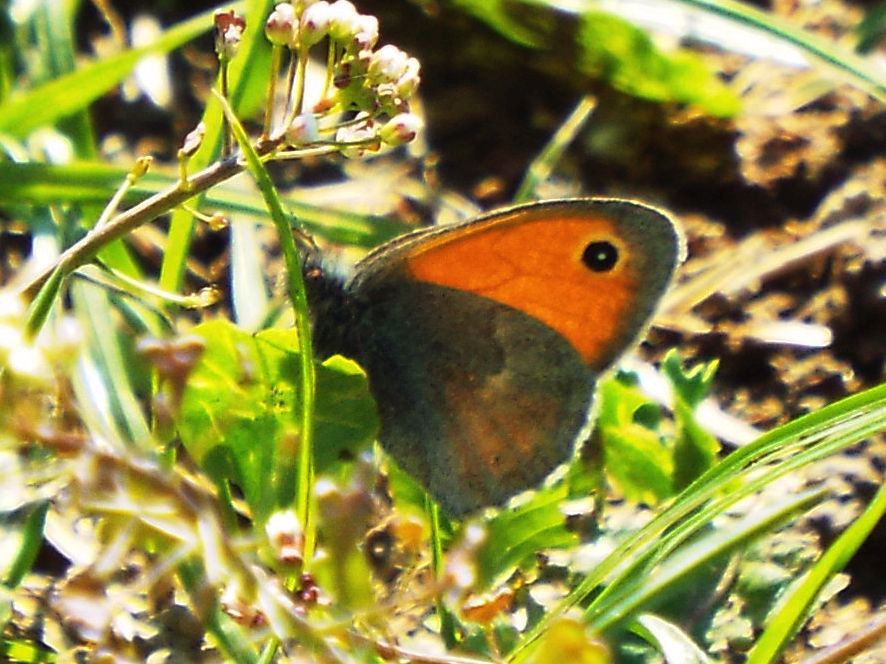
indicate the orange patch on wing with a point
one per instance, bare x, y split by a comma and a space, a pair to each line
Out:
535, 266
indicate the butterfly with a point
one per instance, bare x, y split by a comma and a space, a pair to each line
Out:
483, 341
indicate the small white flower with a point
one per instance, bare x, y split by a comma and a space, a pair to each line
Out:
286, 536
344, 21
387, 64
314, 23
281, 28
367, 34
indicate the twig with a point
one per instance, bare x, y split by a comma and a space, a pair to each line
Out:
162, 202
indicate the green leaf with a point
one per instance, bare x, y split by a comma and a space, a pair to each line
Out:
649, 588
407, 493
516, 535
695, 450
242, 396
611, 49
637, 461
27, 538
675, 644
345, 416
502, 17
691, 385
633, 455
625, 57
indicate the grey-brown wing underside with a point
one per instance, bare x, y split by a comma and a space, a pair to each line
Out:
477, 401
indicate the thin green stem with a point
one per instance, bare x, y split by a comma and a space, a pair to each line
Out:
86, 249
542, 166
299, 299
131, 178
276, 60
301, 72
331, 56
223, 85
290, 83
438, 563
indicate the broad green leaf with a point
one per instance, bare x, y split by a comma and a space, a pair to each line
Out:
242, 396
695, 450
634, 456
637, 461
516, 535
345, 417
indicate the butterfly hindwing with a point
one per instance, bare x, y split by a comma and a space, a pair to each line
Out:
477, 400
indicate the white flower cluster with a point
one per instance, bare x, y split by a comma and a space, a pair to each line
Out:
377, 84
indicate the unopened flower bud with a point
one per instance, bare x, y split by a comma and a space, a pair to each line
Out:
400, 129
281, 28
367, 34
314, 24
286, 537
344, 21
229, 29
193, 141
387, 64
303, 130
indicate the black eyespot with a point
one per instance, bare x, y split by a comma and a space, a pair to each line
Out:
600, 256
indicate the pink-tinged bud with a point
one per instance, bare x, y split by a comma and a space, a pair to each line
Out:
281, 28
344, 21
367, 33
400, 129
303, 130
314, 24
409, 80
229, 29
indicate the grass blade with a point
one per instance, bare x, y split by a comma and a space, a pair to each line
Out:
48, 103
783, 624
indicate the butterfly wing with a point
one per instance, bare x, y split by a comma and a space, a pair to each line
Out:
482, 341
477, 400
